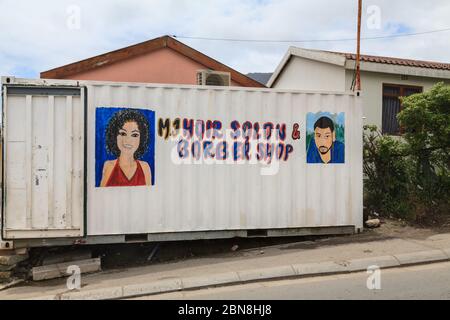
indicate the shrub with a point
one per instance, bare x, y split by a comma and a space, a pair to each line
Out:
409, 177
426, 120
387, 180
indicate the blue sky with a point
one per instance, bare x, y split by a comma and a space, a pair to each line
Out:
39, 35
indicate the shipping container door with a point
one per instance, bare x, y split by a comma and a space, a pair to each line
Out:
43, 162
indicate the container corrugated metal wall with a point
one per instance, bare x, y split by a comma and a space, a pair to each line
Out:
44, 156
44, 140
229, 197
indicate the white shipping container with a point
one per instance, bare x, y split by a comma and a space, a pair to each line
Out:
62, 179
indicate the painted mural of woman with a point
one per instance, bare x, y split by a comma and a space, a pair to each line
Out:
127, 138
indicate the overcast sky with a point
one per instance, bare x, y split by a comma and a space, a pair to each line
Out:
39, 35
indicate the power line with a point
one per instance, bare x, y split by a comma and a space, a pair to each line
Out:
314, 40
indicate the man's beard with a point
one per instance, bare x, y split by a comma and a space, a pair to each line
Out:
324, 150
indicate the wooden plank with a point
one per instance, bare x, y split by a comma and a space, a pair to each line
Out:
60, 270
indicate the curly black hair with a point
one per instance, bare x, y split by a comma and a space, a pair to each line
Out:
117, 122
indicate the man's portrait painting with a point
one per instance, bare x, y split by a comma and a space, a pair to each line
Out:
125, 147
325, 142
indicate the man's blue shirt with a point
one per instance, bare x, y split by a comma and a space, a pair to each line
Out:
337, 153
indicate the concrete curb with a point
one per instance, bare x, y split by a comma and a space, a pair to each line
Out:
213, 280
320, 268
156, 287
246, 276
421, 257
447, 252
266, 273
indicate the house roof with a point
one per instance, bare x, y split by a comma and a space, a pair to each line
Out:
261, 77
427, 68
399, 61
143, 48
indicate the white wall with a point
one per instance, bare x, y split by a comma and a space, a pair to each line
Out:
305, 74
372, 91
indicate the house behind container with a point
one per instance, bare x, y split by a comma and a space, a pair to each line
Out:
384, 80
161, 60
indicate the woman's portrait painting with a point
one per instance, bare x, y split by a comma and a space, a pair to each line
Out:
125, 147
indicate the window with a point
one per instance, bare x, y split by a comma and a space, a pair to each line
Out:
392, 105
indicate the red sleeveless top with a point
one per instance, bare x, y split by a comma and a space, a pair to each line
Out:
119, 179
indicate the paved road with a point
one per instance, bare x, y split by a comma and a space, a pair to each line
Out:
419, 282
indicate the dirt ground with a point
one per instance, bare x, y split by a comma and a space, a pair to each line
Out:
402, 229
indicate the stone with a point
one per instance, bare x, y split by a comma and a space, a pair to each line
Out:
12, 259
21, 251
374, 223
6, 268
11, 283
5, 275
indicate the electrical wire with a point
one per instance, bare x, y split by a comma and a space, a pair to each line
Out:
314, 40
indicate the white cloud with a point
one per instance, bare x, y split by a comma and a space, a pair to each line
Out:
35, 36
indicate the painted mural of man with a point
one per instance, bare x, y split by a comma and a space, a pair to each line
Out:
324, 148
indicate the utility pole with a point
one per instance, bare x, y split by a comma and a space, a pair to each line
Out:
358, 49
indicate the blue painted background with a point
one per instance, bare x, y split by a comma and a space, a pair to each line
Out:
102, 118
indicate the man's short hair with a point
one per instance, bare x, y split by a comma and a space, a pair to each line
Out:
324, 123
